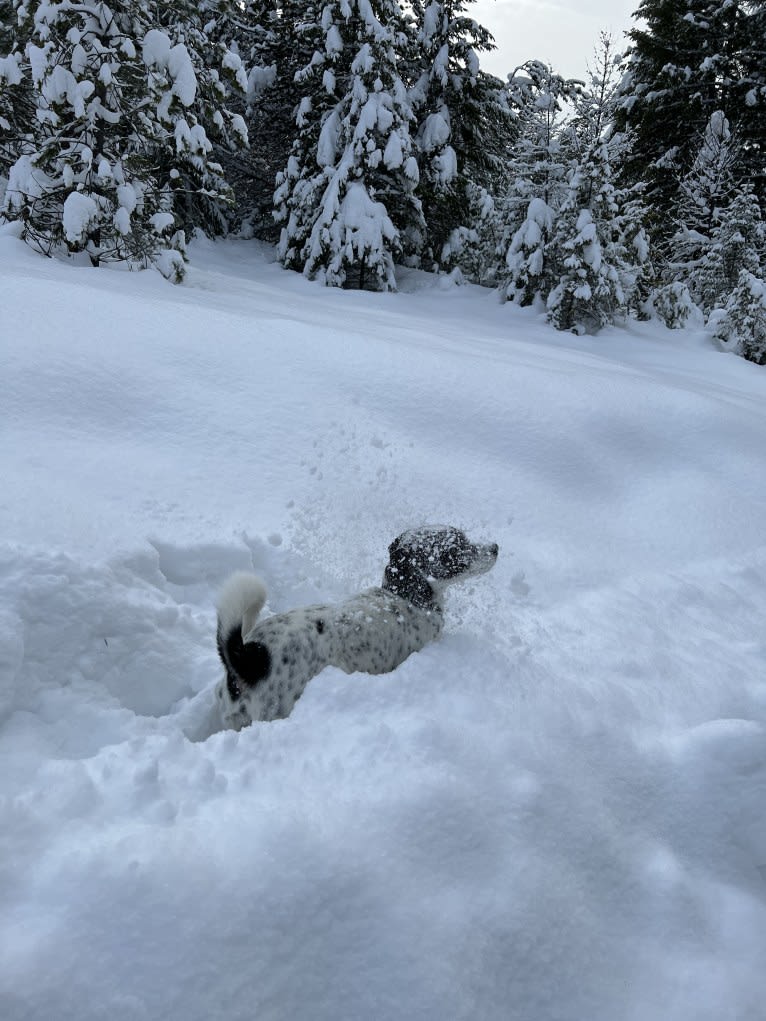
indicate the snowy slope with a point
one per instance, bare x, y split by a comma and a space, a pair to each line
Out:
554, 812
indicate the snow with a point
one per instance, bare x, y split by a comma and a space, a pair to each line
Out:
10, 72
327, 145
24, 179
162, 221
233, 62
553, 812
445, 166
435, 131
80, 212
260, 79
393, 155
157, 51
333, 42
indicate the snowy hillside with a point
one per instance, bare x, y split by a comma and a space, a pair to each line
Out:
553, 813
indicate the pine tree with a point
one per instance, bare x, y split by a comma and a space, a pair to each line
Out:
537, 173
118, 138
278, 41
209, 30
737, 245
674, 306
703, 191
472, 250
349, 199
750, 97
596, 249
463, 120
529, 275
303, 180
690, 59
742, 327
16, 99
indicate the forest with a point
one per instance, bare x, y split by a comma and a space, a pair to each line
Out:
359, 136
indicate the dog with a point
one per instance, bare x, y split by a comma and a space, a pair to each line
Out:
268, 663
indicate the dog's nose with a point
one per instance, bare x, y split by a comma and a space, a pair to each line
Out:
494, 549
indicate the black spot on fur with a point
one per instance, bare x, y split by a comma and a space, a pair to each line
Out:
249, 662
320, 626
256, 663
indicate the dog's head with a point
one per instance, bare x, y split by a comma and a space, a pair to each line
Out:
423, 560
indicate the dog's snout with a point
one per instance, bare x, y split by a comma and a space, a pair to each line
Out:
494, 549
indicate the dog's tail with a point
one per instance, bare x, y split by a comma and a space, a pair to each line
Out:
241, 600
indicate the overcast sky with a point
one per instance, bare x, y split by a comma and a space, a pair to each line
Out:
561, 32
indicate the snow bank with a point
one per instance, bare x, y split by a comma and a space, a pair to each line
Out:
553, 812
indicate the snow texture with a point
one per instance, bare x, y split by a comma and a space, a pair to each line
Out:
552, 813
158, 52
10, 72
80, 213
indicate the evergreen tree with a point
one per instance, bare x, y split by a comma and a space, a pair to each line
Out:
209, 30
119, 134
278, 41
596, 250
737, 245
472, 250
673, 304
349, 201
703, 191
17, 110
529, 274
690, 59
303, 180
750, 98
742, 327
463, 120
537, 171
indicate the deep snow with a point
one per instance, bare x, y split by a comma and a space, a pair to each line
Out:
554, 813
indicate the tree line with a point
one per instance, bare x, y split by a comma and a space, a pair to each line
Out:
362, 135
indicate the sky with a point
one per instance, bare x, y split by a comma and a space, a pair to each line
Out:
561, 32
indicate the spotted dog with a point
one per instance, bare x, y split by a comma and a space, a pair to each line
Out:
269, 662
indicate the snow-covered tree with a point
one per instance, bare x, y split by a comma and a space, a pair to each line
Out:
673, 304
462, 121
528, 272
16, 100
300, 184
277, 40
537, 172
737, 243
688, 59
348, 200
742, 326
703, 191
472, 249
211, 31
710, 183
596, 248
587, 290
119, 134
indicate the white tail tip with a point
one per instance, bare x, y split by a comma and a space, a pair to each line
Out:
239, 603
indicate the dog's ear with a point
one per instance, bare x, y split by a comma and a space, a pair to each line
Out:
403, 577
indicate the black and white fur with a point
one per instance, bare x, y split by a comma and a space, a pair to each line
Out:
268, 663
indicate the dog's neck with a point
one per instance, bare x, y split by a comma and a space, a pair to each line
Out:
412, 586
